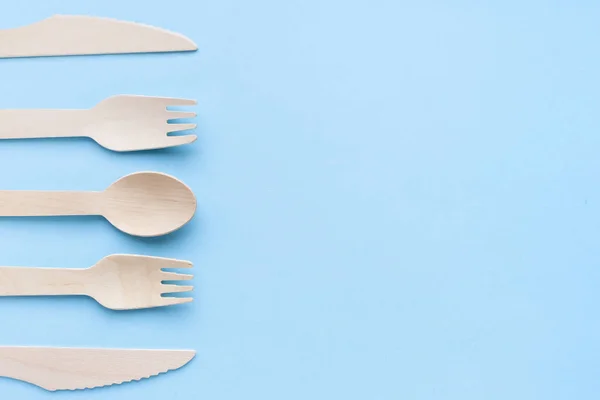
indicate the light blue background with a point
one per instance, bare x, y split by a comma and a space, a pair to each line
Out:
397, 200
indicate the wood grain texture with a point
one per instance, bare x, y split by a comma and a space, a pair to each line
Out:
63, 35
118, 123
118, 282
55, 368
140, 204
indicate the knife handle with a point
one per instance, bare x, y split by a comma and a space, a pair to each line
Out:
26, 281
30, 124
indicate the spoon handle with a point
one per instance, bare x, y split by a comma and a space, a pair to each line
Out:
14, 203
29, 124
26, 281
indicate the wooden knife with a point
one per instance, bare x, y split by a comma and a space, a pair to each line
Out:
56, 368
63, 35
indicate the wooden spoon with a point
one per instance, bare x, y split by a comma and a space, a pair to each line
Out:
140, 204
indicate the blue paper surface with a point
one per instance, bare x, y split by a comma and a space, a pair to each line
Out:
396, 200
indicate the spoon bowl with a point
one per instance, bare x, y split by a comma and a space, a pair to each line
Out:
148, 204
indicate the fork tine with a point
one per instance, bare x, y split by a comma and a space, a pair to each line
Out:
172, 141
169, 301
180, 115
185, 139
173, 276
180, 127
162, 262
182, 102
176, 288
174, 102
177, 140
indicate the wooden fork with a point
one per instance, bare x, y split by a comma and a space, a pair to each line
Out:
118, 282
119, 123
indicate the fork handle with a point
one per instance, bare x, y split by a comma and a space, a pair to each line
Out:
27, 281
29, 124
29, 203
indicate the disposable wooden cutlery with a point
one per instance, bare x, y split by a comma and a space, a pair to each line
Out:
63, 368
118, 282
63, 35
140, 204
119, 123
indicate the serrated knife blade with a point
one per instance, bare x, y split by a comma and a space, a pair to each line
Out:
61, 368
64, 35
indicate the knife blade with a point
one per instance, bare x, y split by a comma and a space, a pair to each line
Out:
63, 35
61, 368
